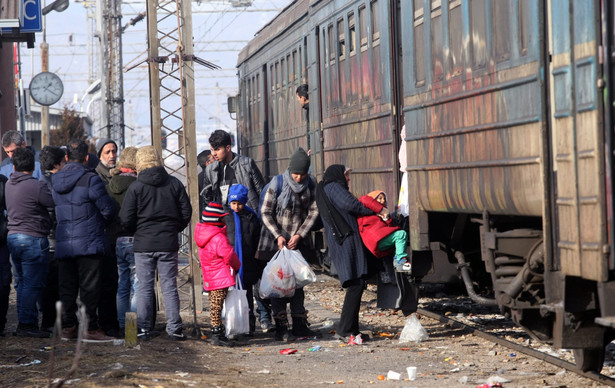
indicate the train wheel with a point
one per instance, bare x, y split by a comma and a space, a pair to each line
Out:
589, 359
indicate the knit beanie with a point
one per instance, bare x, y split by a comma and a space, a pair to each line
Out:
299, 162
101, 143
213, 213
239, 193
128, 158
147, 157
376, 193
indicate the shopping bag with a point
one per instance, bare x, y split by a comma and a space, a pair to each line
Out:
235, 310
278, 280
303, 273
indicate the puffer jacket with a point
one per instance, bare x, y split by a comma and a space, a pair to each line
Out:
373, 228
155, 209
82, 209
246, 173
217, 257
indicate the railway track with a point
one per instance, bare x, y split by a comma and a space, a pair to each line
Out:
518, 348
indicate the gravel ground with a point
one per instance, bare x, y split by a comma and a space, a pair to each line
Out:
449, 357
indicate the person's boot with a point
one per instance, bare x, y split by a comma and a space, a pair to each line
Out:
218, 336
300, 327
281, 329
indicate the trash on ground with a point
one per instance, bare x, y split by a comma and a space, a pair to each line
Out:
392, 375
288, 351
413, 331
315, 348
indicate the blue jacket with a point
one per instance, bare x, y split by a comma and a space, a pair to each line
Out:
7, 170
82, 208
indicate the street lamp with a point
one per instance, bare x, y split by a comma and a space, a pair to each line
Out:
58, 6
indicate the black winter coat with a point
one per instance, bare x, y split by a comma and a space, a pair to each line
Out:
117, 188
349, 257
155, 209
250, 233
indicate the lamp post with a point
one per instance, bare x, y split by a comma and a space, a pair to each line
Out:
58, 6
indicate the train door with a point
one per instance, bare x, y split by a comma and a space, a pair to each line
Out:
577, 140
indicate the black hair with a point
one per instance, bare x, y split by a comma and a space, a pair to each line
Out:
219, 138
302, 90
202, 158
23, 160
77, 150
50, 157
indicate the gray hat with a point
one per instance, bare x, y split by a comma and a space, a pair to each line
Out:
101, 143
299, 162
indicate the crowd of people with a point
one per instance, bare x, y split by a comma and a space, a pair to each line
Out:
92, 229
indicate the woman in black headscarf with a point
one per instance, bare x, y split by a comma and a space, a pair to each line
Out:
339, 210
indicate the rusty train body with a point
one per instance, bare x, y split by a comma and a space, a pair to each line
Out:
509, 139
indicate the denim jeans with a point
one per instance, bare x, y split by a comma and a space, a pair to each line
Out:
128, 283
167, 263
5, 284
30, 257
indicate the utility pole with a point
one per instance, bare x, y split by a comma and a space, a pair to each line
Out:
112, 42
45, 140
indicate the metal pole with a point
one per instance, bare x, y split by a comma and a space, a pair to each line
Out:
45, 140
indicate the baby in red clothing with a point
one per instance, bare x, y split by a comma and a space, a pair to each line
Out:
380, 235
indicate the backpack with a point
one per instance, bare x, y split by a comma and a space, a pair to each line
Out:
279, 181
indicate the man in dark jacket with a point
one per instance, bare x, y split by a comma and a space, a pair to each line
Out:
82, 209
106, 151
28, 201
122, 177
228, 169
156, 208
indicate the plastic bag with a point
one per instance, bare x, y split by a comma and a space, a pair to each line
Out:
303, 273
403, 206
413, 331
278, 280
235, 310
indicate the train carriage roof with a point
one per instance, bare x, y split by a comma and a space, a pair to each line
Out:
289, 16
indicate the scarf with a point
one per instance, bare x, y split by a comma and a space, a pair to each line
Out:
238, 239
289, 186
339, 227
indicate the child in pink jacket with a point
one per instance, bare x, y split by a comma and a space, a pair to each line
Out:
380, 236
219, 264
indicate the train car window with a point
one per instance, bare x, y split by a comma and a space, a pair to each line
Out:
501, 29
352, 35
419, 43
283, 69
289, 70
455, 38
478, 33
277, 76
375, 22
295, 68
524, 26
363, 28
332, 44
341, 39
437, 44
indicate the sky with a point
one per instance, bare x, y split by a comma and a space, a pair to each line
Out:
220, 31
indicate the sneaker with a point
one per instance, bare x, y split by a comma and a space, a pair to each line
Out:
30, 331
69, 332
146, 335
402, 265
267, 326
97, 335
178, 335
355, 340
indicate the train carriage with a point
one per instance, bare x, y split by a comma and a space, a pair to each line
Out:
509, 140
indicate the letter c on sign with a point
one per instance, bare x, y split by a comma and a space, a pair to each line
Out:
33, 9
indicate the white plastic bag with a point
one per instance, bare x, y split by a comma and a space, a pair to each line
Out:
413, 331
303, 273
403, 206
278, 280
235, 311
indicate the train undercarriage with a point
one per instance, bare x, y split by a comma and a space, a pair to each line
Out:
502, 262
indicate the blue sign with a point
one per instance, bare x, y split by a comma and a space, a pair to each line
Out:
32, 17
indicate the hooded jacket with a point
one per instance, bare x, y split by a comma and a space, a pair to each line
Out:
82, 209
155, 209
27, 203
117, 187
372, 228
217, 257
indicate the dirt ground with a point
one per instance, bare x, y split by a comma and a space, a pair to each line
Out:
448, 358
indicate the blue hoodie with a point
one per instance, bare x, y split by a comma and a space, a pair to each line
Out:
82, 209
